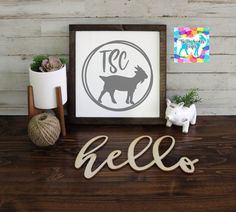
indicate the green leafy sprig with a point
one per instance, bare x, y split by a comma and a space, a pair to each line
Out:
188, 99
37, 61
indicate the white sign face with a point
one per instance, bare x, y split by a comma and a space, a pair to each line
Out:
117, 74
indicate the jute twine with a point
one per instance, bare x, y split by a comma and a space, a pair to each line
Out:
44, 129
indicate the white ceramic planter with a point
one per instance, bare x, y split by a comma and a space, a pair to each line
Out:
44, 87
180, 115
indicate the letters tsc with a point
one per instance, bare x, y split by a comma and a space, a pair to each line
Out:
90, 157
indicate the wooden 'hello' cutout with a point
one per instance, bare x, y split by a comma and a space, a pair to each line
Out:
184, 163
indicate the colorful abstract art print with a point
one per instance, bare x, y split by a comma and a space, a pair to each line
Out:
191, 45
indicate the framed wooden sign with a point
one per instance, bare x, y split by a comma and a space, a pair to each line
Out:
117, 74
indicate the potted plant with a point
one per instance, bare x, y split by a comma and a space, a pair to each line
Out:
181, 111
45, 74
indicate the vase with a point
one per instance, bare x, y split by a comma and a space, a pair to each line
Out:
44, 87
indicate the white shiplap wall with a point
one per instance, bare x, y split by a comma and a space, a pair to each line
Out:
35, 27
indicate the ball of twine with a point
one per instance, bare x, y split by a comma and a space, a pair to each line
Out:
44, 129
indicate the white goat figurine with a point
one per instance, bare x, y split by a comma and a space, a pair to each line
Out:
180, 115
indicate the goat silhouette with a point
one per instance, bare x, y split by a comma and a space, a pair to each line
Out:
120, 83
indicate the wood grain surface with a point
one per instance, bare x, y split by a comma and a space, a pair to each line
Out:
36, 27
44, 179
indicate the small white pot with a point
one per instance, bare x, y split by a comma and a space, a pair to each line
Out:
180, 115
44, 87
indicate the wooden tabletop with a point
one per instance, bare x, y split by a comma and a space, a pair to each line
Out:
45, 179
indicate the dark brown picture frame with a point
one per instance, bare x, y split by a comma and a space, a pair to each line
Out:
71, 78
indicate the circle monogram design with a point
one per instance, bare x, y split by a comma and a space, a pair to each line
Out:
117, 75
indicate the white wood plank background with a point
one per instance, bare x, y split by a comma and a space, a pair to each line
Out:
28, 28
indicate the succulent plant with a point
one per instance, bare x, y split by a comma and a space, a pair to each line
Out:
51, 64
43, 63
37, 60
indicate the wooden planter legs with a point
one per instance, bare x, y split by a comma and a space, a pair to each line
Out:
32, 110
